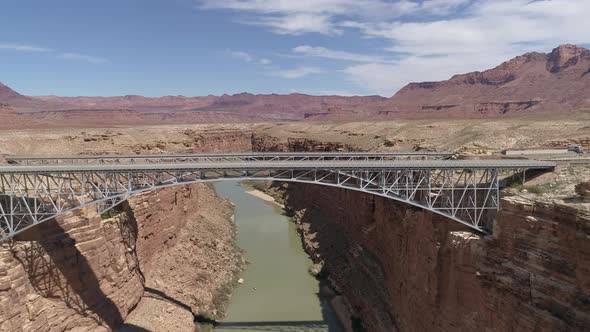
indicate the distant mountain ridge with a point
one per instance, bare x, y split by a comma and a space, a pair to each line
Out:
557, 82
9, 96
533, 82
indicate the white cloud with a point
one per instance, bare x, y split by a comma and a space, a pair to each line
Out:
321, 16
296, 72
296, 24
83, 57
242, 56
488, 33
386, 79
442, 7
426, 40
496, 26
247, 57
323, 52
37, 49
23, 48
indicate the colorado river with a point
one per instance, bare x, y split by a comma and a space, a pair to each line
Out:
278, 293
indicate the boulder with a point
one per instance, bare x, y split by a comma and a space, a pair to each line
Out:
583, 189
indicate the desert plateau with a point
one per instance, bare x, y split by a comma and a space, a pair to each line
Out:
326, 166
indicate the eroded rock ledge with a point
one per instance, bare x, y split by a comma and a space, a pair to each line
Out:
170, 256
404, 269
88, 274
401, 268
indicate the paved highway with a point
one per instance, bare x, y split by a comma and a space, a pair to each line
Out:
238, 154
214, 157
284, 165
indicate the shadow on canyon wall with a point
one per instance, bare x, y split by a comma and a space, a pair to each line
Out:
132, 328
129, 231
159, 295
58, 269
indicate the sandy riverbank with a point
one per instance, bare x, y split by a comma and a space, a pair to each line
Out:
264, 196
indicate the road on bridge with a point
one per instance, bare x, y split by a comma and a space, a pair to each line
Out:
37, 189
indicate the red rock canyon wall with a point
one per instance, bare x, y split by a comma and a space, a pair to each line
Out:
405, 269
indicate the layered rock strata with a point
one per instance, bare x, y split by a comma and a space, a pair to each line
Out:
405, 269
85, 273
401, 268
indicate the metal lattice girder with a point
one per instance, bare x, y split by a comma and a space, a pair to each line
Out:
463, 190
220, 157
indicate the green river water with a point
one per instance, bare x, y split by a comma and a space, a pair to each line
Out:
278, 293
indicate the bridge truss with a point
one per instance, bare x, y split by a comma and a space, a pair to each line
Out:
222, 157
466, 191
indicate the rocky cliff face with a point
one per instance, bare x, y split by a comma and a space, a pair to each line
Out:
169, 257
403, 269
151, 140
186, 248
566, 56
171, 250
263, 142
87, 273
81, 273
6, 92
533, 82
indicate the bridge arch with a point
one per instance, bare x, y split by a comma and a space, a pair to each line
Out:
464, 191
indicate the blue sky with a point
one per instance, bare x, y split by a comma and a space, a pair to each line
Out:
201, 47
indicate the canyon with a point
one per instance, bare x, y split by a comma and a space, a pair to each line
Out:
533, 83
167, 258
403, 269
84, 272
169, 255
162, 260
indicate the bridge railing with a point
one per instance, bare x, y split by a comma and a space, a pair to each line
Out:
466, 191
227, 157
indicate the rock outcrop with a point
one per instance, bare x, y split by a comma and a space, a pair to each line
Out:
583, 189
176, 244
404, 269
186, 247
77, 272
9, 96
82, 272
263, 142
566, 56
530, 83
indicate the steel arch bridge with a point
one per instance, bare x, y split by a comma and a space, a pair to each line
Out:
37, 189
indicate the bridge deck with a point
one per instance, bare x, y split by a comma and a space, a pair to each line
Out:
304, 164
213, 157
236, 154
36, 189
